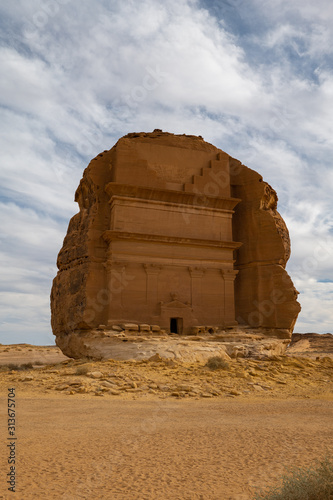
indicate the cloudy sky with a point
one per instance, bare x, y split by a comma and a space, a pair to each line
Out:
253, 77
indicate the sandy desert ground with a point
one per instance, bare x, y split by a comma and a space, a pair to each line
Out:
160, 429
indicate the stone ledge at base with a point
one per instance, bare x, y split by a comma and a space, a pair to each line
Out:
209, 332
119, 346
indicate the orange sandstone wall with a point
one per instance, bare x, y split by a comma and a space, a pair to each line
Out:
121, 193
77, 291
264, 293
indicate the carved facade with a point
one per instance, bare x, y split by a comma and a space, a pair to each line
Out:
175, 254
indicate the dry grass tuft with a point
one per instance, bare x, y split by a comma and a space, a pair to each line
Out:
17, 367
83, 369
217, 363
314, 483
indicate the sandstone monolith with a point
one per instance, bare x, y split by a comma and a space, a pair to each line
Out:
173, 237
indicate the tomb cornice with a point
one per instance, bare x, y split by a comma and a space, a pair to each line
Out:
173, 197
111, 235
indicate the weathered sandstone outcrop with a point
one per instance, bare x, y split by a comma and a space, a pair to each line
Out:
173, 236
311, 345
105, 344
264, 293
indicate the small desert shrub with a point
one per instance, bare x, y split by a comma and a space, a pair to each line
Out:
25, 366
12, 366
217, 363
82, 370
314, 483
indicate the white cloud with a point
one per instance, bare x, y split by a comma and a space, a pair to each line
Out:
75, 79
298, 11
317, 313
28, 248
24, 318
33, 170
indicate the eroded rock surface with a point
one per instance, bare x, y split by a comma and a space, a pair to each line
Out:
264, 293
311, 345
97, 344
173, 236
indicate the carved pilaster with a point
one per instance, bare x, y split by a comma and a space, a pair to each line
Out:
229, 276
152, 271
117, 281
196, 272
196, 285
